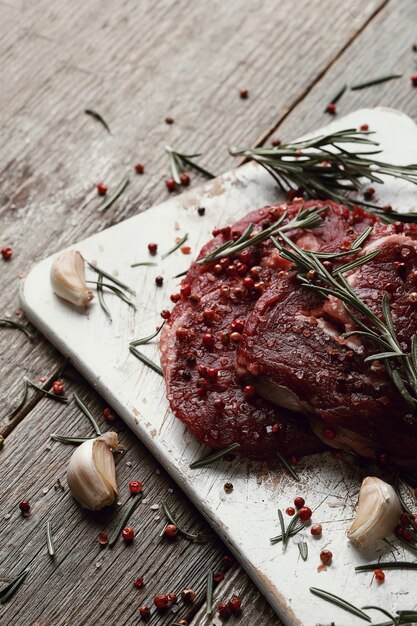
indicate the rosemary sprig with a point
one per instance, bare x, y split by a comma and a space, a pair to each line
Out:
288, 467
306, 218
118, 292
144, 263
23, 399
115, 195
197, 538
291, 527
72, 440
177, 245
49, 539
303, 548
375, 81
87, 413
209, 593
100, 296
26, 385
135, 499
281, 523
324, 168
99, 118
403, 371
384, 612
292, 532
343, 604
146, 360
112, 278
338, 95
216, 456
148, 338
181, 274
5, 321
7, 591
369, 567
178, 163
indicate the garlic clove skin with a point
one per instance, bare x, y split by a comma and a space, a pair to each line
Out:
68, 278
377, 515
91, 472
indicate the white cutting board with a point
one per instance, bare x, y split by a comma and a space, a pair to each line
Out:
246, 518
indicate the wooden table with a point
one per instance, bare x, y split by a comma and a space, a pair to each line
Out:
137, 63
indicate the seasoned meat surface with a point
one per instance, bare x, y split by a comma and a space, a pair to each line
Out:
199, 342
293, 349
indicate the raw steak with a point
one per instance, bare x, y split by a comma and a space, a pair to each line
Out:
293, 347
199, 342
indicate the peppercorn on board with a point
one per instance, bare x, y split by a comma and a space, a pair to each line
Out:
246, 517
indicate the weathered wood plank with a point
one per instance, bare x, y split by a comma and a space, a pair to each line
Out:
135, 66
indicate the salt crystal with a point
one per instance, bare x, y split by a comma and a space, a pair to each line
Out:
45, 490
154, 507
7, 516
99, 564
129, 463
170, 490
145, 501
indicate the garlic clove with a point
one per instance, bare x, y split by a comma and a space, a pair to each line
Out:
68, 278
91, 472
377, 514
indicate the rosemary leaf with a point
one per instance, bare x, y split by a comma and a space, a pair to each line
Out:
209, 593
339, 94
100, 296
293, 532
177, 245
126, 514
49, 394
369, 567
148, 338
375, 81
343, 604
288, 467
216, 456
73, 440
22, 401
383, 611
7, 592
144, 263
87, 413
49, 539
181, 274
178, 162
5, 321
98, 117
198, 538
290, 528
116, 193
146, 360
303, 548
118, 292
282, 523
110, 277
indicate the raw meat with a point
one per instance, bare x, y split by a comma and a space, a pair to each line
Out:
293, 348
199, 342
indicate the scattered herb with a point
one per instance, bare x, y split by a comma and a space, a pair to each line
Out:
343, 604
101, 297
323, 168
339, 94
369, 567
143, 263
146, 360
198, 538
375, 81
135, 499
292, 532
118, 292
113, 279
28, 383
383, 611
282, 524
181, 274
177, 245
5, 321
7, 592
87, 413
148, 338
291, 527
306, 218
404, 375
209, 593
98, 117
49, 539
211, 458
288, 467
116, 193
22, 401
179, 162
303, 548
73, 440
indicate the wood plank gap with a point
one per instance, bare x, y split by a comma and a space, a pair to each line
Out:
263, 137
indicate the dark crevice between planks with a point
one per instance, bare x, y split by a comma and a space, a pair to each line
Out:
264, 136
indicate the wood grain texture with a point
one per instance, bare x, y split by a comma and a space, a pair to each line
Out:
135, 64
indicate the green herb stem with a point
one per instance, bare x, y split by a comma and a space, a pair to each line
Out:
197, 538
98, 117
146, 360
288, 467
87, 413
148, 338
209, 593
112, 278
337, 601
144, 263
375, 81
177, 245
7, 592
126, 514
116, 194
369, 567
5, 321
72, 440
49, 539
216, 456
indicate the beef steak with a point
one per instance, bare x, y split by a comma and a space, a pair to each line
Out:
293, 348
199, 341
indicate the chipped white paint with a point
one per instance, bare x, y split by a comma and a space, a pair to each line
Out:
246, 518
